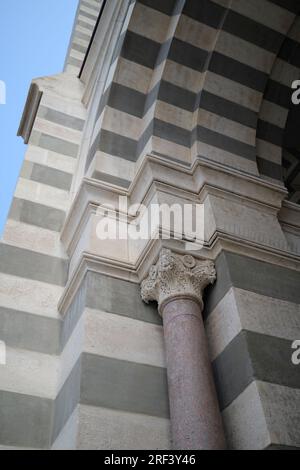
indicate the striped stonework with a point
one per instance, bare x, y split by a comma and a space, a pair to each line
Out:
273, 159
34, 271
173, 101
85, 21
252, 318
200, 87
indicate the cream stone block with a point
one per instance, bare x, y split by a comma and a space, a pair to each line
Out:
36, 154
86, 20
121, 123
126, 11
293, 240
223, 324
61, 162
245, 421
174, 115
110, 75
135, 248
81, 42
282, 411
150, 23
97, 127
147, 149
133, 75
82, 245
195, 33
112, 248
183, 77
42, 375
77, 55
226, 158
37, 298
71, 353
268, 151
71, 69
265, 315
233, 91
90, 242
273, 113
244, 52
108, 237
244, 310
114, 166
84, 30
123, 338
30, 373
51, 159
42, 194
294, 33
157, 74
264, 414
106, 429
285, 73
266, 13
67, 439
93, 3
148, 118
62, 85
248, 223
33, 238
166, 147
226, 127
67, 106
88, 10
56, 130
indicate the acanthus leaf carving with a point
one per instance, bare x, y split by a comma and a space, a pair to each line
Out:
177, 276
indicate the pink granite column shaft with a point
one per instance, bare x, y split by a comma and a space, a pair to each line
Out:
177, 283
195, 417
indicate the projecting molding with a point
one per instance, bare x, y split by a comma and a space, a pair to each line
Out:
30, 111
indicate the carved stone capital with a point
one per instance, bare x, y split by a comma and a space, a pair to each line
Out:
177, 276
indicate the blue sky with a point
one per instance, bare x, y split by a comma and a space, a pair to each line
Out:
34, 37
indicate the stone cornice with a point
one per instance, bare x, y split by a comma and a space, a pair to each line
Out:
165, 180
205, 172
137, 272
30, 111
133, 272
100, 52
289, 215
157, 173
90, 196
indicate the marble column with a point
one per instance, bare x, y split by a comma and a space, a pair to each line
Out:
177, 284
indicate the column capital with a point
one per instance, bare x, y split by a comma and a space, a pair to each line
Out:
177, 276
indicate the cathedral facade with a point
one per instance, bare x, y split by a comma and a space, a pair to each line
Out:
158, 342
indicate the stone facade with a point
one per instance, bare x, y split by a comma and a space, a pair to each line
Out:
168, 101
